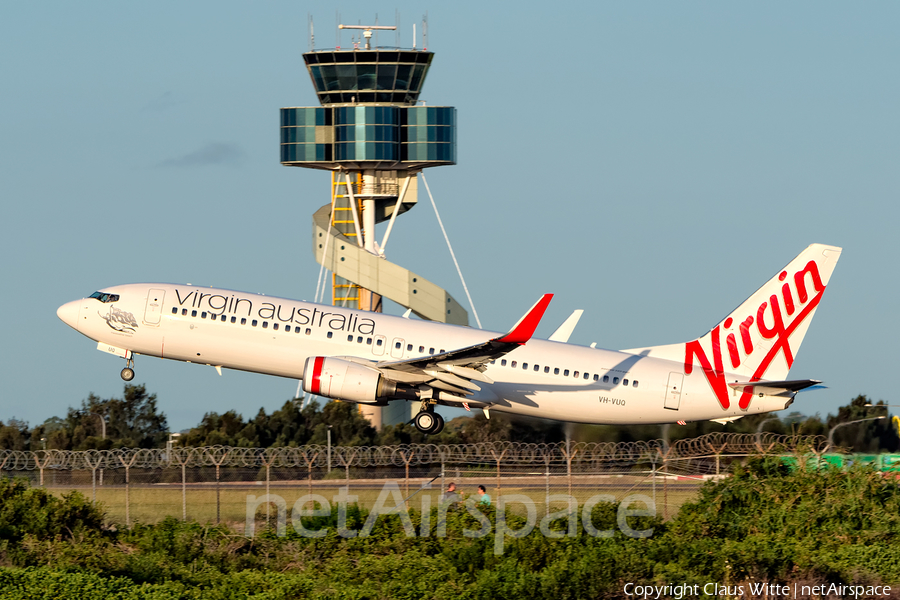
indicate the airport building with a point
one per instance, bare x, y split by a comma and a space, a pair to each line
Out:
374, 136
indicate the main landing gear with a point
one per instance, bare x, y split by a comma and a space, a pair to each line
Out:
428, 421
128, 372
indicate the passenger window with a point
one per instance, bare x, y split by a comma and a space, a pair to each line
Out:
253, 322
369, 341
566, 373
359, 340
431, 351
587, 375
421, 349
174, 310
546, 369
503, 363
193, 313
596, 377
441, 351
556, 371
524, 366
513, 364
184, 311
634, 383
349, 338
330, 333
575, 374
537, 367
409, 347
625, 382
243, 321
275, 326
615, 380
606, 379
233, 319
379, 342
308, 331
222, 318
265, 324
398, 345
203, 315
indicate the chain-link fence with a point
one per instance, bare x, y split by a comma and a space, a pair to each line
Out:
218, 483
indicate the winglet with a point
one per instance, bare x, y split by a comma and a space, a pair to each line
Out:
524, 329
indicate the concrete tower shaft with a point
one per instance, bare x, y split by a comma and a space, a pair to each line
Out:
373, 135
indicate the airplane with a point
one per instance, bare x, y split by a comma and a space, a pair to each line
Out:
737, 368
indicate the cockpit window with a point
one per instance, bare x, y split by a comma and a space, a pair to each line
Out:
103, 297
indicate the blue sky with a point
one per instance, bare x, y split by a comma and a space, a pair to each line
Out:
651, 163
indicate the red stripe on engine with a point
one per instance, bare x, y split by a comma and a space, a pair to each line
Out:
315, 385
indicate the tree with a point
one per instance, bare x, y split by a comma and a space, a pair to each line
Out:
868, 436
132, 421
14, 435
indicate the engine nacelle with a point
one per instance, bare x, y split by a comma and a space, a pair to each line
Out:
345, 380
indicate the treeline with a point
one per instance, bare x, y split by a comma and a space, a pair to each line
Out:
763, 524
135, 421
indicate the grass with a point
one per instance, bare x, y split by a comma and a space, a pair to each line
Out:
153, 503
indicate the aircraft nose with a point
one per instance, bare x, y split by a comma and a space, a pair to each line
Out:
68, 313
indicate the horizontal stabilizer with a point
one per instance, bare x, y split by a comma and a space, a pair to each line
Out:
791, 386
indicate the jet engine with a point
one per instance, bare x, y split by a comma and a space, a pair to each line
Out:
345, 380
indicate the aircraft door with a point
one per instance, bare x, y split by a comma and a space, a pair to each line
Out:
673, 391
397, 348
378, 346
153, 310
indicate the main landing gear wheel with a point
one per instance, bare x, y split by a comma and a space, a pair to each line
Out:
438, 426
425, 421
429, 422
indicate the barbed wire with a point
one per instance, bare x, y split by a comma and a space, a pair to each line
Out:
315, 456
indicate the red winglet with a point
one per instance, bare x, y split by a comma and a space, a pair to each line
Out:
524, 329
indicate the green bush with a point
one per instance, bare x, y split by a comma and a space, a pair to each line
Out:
763, 523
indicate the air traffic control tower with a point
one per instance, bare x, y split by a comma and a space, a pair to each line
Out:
374, 137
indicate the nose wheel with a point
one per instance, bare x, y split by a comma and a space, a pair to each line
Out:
128, 372
429, 422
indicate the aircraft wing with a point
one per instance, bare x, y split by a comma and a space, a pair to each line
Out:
455, 371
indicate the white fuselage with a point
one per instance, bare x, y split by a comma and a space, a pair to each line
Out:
275, 336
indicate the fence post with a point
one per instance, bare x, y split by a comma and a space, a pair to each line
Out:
268, 504
127, 499
127, 466
406, 460
547, 483
93, 467
183, 492
42, 465
218, 463
218, 501
443, 487
498, 459
309, 464
569, 456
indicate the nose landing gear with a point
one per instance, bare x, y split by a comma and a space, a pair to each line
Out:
128, 372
